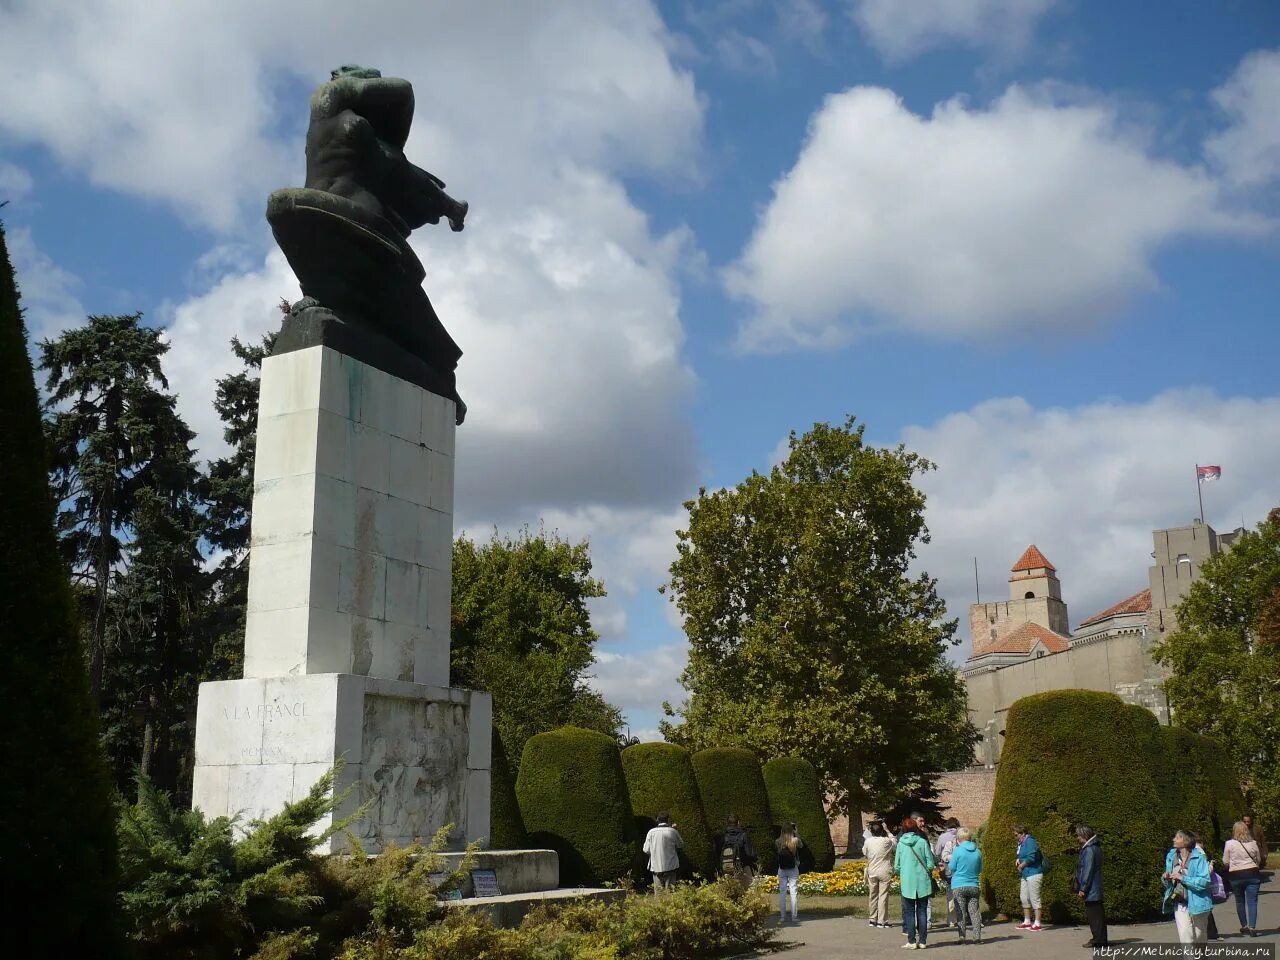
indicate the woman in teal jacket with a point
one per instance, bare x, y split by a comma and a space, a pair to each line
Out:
1186, 889
912, 862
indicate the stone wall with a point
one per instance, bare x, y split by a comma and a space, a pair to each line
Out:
968, 794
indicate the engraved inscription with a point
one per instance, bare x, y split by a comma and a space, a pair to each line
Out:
265, 711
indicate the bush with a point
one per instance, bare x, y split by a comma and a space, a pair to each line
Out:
573, 799
55, 799
1071, 757
506, 828
729, 781
796, 795
660, 777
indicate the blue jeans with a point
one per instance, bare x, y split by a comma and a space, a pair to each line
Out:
1245, 888
915, 919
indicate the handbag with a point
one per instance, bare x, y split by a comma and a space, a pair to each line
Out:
1217, 889
933, 881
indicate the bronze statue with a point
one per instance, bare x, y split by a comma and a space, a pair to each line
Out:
345, 234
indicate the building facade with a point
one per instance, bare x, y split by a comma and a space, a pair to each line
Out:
1024, 645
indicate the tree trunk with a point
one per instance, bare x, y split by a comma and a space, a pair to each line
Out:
148, 737
102, 576
852, 784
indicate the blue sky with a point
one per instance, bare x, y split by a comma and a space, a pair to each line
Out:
1035, 240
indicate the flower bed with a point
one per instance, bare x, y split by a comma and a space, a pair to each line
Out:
848, 879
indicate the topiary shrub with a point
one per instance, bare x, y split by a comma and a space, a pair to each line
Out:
1224, 783
506, 829
1071, 757
55, 798
729, 781
573, 800
660, 777
1207, 790
796, 794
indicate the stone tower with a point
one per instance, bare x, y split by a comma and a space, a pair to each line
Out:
1035, 596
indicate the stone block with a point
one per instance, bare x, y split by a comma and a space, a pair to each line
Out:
398, 528
257, 791
371, 457
289, 382
362, 583
438, 423
478, 806
403, 417
434, 546
367, 636
335, 511
396, 658
480, 750
299, 718
283, 509
410, 471
368, 521
280, 575
275, 642
210, 789
431, 659
336, 449
286, 445
403, 593
373, 391
329, 642
441, 482
228, 726
439, 603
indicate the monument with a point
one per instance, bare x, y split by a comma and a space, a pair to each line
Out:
347, 634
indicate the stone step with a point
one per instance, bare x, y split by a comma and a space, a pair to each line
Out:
517, 871
510, 908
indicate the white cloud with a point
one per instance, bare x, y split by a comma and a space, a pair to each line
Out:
184, 103
639, 683
50, 300
901, 30
1040, 211
15, 183
1087, 485
1248, 151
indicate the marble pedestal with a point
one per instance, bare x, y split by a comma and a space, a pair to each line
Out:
347, 635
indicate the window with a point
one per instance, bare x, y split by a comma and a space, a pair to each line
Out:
1029, 595
1183, 558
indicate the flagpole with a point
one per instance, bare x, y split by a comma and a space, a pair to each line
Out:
1200, 492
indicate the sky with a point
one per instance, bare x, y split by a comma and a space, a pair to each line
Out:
1037, 241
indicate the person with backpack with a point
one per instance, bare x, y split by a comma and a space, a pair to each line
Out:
1031, 864
737, 855
913, 863
788, 847
1243, 860
663, 844
942, 848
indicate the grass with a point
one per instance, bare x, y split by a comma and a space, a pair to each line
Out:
1273, 861
855, 906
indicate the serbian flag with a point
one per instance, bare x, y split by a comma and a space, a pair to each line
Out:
1205, 474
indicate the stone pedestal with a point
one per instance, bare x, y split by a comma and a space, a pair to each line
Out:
347, 637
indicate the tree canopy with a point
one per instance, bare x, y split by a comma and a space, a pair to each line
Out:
808, 635
522, 630
1225, 660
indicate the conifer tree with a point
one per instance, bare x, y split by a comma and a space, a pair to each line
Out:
55, 807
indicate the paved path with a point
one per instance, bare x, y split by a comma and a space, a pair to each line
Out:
826, 937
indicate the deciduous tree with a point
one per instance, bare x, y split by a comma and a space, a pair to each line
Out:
808, 635
1225, 661
522, 630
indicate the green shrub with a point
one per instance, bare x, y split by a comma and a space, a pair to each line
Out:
660, 777
796, 795
573, 799
729, 781
55, 797
506, 829
1071, 757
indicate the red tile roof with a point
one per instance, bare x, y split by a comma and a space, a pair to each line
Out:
1140, 602
1025, 638
1032, 559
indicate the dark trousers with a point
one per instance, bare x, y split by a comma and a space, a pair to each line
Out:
915, 919
1097, 922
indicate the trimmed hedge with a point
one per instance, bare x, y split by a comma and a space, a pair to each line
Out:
660, 777
730, 781
1207, 791
55, 799
506, 828
1071, 757
573, 799
795, 794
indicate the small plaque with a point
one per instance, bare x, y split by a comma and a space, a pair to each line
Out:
439, 878
484, 883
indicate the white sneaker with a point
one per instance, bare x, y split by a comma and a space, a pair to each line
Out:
908, 946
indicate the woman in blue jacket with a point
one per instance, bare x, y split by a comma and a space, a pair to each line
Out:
965, 867
1186, 889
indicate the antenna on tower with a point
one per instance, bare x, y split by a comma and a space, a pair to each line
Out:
976, 592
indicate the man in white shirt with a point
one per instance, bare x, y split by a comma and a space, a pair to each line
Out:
663, 844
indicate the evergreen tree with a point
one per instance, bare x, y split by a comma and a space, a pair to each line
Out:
521, 630
55, 807
109, 419
228, 494
807, 635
